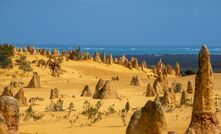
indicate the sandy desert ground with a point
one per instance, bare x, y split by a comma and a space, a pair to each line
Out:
80, 73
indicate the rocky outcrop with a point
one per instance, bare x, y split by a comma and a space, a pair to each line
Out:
204, 120
150, 120
150, 91
35, 81
189, 88
20, 96
9, 109
136, 81
54, 94
86, 92
107, 91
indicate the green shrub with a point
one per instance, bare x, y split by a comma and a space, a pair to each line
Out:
24, 64
6, 52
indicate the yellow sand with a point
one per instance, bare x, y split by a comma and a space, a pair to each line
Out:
80, 73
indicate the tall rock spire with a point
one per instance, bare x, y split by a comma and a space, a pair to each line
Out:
204, 118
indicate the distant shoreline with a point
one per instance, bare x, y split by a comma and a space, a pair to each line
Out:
187, 57
186, 61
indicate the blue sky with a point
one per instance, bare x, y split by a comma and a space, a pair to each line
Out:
181, 23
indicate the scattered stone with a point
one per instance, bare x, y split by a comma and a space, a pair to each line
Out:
136, 81
54, 94
35, 81
115, 78
55, 107
9, 108
86, 92
204, 120
150, 120
35, 99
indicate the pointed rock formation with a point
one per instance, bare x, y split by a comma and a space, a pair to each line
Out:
55, 53
177, 70
86, 92
136, 81
96, 57
189, 88
150, 91
110, 59
168, 99
134, 63
98, 87
161, 83
7, 91
87, 56
150, 120
185, 100
170, 70
20, 96
54, 94
106, 92
9, 109
204, 120
159, 66
15, 84
157, 87
3, 126
35, 81
103, 58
